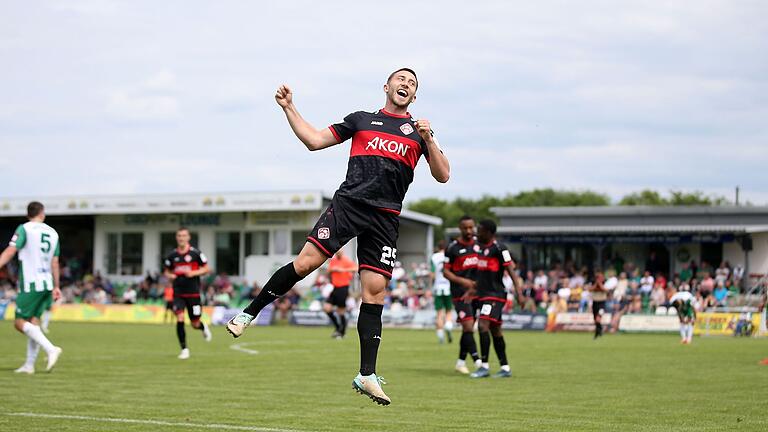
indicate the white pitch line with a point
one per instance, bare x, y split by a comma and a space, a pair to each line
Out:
149, 422
239, 347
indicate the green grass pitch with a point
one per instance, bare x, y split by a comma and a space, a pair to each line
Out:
300, 380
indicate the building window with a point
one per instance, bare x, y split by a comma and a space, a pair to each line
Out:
257, 243
298, 238
280, 241
168, 243
228, 252
124, 253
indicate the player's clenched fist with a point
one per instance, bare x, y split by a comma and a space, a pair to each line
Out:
424, 129
284, 96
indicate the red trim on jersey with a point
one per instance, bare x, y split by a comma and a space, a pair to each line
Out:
487, 264
375, 143
376, 269
188, 295
335, 134
388, 210
319, 246
385, 112
466, 318
461, 242
458, 299
487, 318
496, 299
461, 264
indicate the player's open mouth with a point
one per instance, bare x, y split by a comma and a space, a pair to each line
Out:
402, 93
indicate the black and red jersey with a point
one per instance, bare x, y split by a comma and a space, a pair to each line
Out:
492, 260
179, 263
461, 259
385, 150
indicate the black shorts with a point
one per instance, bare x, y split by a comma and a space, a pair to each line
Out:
338, 297
598, 308
490, 309
191, 304
376, 231
465, 311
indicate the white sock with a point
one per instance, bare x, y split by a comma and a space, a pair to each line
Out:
506, 368
33, 332
449, 325
683, 330
486, 366
460, 363
690, 332
32, 349
440, 334
46, 319
478, 363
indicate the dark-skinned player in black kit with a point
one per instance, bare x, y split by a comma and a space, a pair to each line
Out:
386, 146
493, 260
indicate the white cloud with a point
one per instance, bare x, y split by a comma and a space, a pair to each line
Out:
154, 99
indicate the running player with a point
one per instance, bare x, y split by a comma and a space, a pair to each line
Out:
38, 247
460, 264
493, 260
685, 303
599, 297
184, 266
441, 294
386, 145
342, 271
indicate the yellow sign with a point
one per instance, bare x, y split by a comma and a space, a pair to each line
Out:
721, 323
109, 313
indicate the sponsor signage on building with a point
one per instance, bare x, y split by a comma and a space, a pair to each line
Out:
576, 322
174, 203
649, 323
604, 239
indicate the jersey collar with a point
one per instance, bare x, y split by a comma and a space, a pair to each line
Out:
387, 113
181, 252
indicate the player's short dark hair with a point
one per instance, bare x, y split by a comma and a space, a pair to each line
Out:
407, 70
441, 245
466, 218
183, 228
34, 209
488, 225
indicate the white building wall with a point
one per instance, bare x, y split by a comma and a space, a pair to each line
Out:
758, 257
733, 253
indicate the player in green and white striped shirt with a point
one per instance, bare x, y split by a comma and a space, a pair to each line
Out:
38, 247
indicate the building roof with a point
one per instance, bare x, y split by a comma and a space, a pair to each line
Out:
630, 211
619, 229
215, 202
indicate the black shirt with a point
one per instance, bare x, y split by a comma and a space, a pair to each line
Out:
492, 260
180, 263
385, 150
461, 259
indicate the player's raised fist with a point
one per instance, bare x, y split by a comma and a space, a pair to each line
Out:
424, 129
284, 96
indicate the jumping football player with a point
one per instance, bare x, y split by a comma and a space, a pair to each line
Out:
493, 260
459, 268
386, 145
184, 266
441, 294
38, 247
685, 304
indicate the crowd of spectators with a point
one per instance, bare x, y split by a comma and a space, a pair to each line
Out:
560, 289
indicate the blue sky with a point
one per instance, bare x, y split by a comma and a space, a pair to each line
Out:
102, 97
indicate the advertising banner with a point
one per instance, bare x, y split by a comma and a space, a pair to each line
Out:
572, 321
722, 323
146, 314
649, 323
522, 321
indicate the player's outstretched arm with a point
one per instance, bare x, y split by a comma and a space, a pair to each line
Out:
313, 138
438, 163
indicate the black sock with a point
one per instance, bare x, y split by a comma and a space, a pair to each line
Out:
472, 346
369, 330
598, 329
280, 283
182, 335
343, 323
463, 350
485, 345
501, 349
202, 326
335, 322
